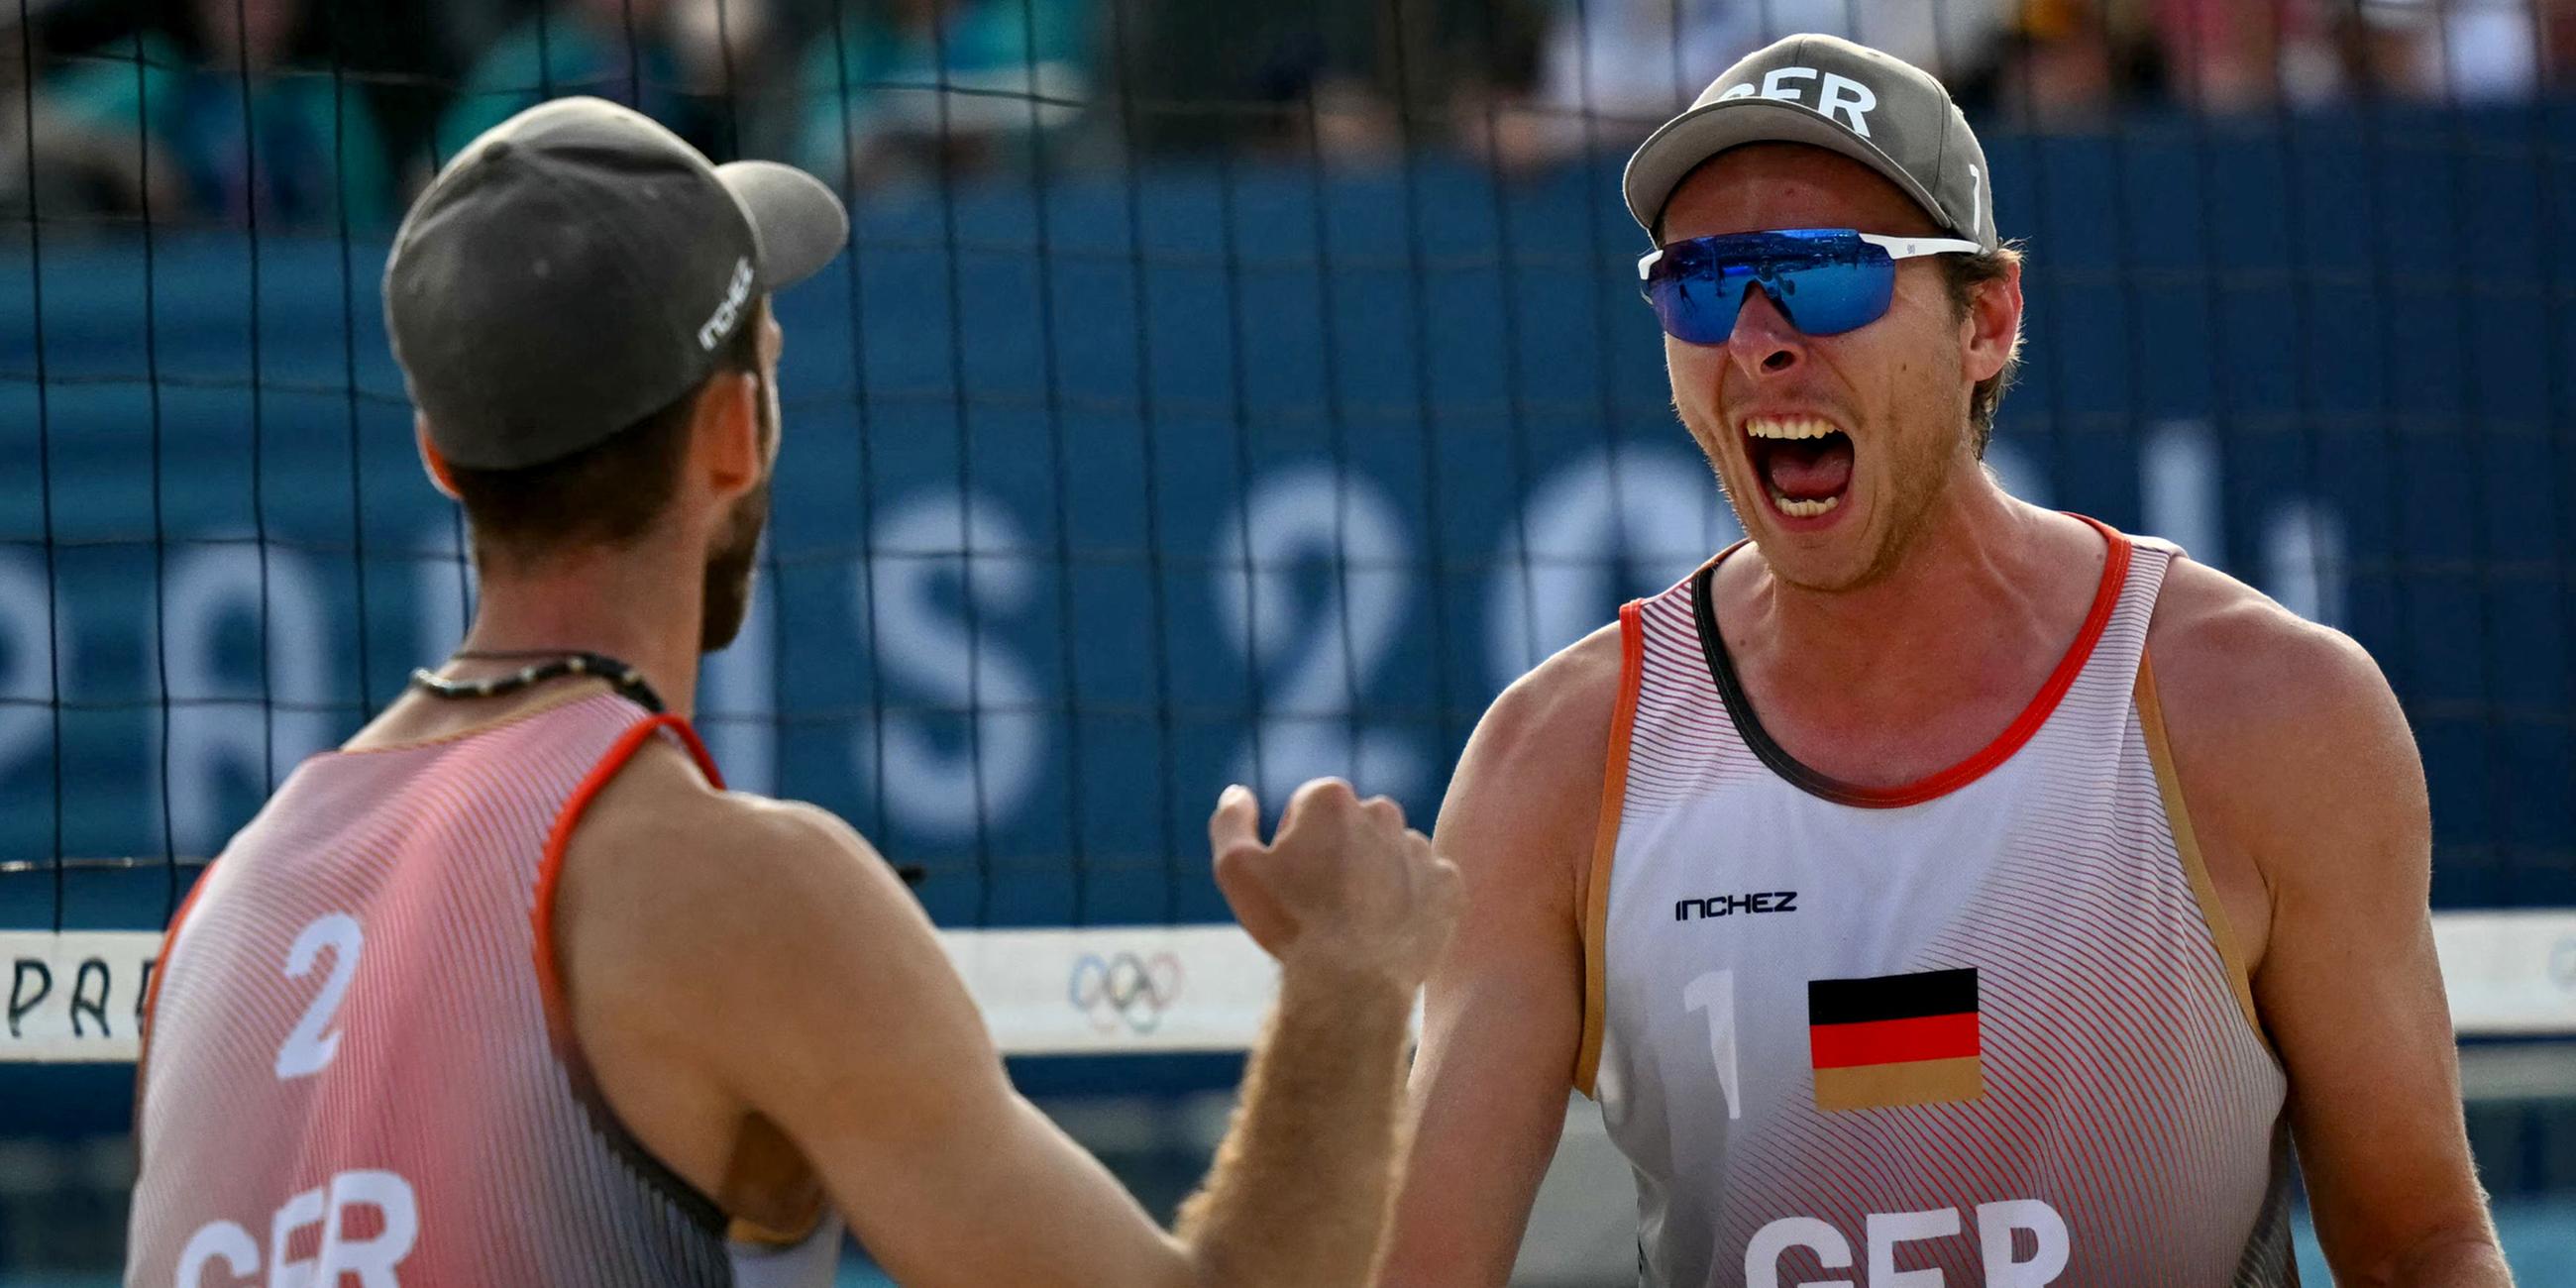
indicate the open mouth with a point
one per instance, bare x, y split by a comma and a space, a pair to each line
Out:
1804, 463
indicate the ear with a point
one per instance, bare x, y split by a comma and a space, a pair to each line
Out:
1992, 329
430, 460
730, 454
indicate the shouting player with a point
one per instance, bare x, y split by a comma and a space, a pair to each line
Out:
1932, 888
508, 990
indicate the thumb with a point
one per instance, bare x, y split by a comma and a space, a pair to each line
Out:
1236, 822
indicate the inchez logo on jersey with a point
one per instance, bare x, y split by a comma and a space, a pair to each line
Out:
1895, 1039
1727, 905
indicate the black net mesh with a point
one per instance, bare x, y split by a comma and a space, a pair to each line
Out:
1218, 393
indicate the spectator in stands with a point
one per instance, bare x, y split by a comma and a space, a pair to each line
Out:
233, 132
1612, 69
895, 88
2464, 51
2244, 55
685, 63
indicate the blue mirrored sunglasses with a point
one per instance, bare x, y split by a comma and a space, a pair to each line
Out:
1824, 280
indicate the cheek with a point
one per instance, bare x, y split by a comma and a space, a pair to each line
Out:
1694, 370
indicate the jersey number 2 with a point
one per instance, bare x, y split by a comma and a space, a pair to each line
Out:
308, 1049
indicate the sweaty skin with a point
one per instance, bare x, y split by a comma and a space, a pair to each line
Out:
1894, 638
768, 1011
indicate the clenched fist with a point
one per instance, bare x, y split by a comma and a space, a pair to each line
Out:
1344, 886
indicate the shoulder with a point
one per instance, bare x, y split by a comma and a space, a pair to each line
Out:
2287, 729
2229, 657
1543, 741
662, 860
1526, 797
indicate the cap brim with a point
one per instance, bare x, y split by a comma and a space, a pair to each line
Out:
799, 223
1671, 153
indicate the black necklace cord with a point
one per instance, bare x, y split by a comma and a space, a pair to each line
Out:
553, 666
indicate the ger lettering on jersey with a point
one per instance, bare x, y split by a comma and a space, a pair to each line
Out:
1998, 1031
359, 1061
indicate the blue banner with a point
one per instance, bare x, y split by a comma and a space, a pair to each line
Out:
1096, 496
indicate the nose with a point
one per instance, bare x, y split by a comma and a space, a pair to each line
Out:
1763, 342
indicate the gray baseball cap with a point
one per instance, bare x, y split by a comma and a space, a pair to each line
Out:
578, 267
1881, 111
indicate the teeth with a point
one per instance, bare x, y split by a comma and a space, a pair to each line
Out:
1771, 428
1804, 509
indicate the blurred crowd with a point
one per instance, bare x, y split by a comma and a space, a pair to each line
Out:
330, 113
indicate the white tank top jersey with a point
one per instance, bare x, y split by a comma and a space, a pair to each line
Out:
357, 1062
1987, 1028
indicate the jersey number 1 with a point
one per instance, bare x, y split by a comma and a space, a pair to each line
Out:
1714, 993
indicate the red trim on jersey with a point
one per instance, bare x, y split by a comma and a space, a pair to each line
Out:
1926, 1037
550, 868
701, 1208
2106, 597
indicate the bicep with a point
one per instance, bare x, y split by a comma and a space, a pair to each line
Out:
2351, 992
2374, 1086
872, 1058
1503, 1012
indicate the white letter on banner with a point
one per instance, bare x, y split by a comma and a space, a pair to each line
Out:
2303, 560
443, 589
923, 545
1615, 520
2178, 488
215, 723
738, 700
1313, 666
28, 662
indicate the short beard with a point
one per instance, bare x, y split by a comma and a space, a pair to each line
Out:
730, 568
726, 599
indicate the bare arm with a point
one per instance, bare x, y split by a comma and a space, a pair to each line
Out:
1504, 1008
824, 1004
2294, 749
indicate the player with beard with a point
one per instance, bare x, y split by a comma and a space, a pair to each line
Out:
509, 990
1933, 888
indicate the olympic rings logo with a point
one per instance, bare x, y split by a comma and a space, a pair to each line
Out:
1124, 990
2562, 963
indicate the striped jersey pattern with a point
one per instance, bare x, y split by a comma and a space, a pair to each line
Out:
348, 1067
1989, 1024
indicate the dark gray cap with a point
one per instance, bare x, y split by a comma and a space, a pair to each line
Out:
1881, 111
579, 267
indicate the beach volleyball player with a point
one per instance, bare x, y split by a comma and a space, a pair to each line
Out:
508, 991
1932, 889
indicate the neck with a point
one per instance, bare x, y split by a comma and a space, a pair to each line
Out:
641, 606
1976, 581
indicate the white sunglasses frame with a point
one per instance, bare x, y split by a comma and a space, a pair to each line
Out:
1896, 247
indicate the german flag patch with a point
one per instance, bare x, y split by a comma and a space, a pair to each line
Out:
1895, 1040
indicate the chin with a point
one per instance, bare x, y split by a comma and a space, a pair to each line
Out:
728, 603
1840, 556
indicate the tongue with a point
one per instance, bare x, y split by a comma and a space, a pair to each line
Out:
1809, 469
